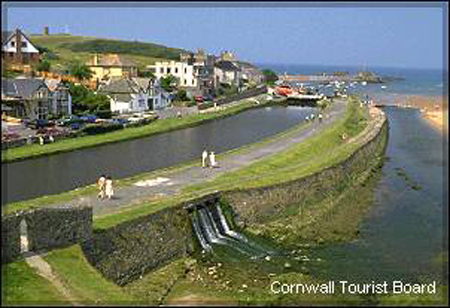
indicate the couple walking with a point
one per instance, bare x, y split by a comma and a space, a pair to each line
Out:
208, 160
105, 186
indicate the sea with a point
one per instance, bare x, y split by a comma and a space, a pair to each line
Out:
417, 82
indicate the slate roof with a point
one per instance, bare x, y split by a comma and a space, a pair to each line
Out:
21, 87
119, 85
227, 66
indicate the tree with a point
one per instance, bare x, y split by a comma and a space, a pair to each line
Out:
85, 100
168, 83
269, 76
79, 70
182, 96
43, 66
145, 74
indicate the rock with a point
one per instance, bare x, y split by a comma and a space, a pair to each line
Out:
271, 275
318, 259
244, 286
287, 265
267, 258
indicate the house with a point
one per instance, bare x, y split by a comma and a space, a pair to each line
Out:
17, 49
105, 66
250, 74
26, 98
194, 72
129, 95
226, 72
61, 100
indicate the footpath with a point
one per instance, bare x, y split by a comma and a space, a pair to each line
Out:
173, 182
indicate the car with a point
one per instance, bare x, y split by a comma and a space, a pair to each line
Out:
120, 121
66, 121
39, 123
199, 98
89, 118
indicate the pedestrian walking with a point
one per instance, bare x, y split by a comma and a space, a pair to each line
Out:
204, 158
109, 190
101, 186
212, 160
41, 140
51, 138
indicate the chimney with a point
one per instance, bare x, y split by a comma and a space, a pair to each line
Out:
19, 56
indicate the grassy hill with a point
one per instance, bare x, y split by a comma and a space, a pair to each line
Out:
62, 48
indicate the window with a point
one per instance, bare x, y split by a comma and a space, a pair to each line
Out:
161, 70
193, 81
185, 70
24, 44
168, 70
185, 82
176, 70
141, 103
13, 44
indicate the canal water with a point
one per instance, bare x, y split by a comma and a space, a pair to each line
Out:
66, 171
403, 235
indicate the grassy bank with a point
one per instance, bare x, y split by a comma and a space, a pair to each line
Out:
22, 286
157, 127
302, 159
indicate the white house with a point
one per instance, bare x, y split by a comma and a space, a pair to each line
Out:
17, 48
184, 72
129, 95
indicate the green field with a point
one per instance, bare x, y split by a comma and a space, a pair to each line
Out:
67, 48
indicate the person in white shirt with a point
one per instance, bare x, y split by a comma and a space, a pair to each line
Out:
212, 160
204, 158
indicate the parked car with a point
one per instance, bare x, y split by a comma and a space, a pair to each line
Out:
120, 121
89, 118
67, 121
39, 123
208, 98
199, 98
135, 118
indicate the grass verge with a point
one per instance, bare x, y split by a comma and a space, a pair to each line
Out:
86, 284
21, 285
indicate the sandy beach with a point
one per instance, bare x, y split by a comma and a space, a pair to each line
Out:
433, 108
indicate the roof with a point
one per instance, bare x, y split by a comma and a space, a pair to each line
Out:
110, 60
52, 83
121, 97
6, 35
227, 66
21, 87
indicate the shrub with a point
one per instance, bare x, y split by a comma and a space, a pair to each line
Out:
93, 129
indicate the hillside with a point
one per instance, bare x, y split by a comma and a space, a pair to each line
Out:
63, 48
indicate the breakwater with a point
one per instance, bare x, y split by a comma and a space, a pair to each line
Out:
129, 250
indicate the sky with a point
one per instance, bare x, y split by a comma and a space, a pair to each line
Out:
405, 35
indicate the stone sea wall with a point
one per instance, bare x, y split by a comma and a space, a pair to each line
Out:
254, 206
125, 252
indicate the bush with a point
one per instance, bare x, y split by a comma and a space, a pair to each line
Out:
93, 129
104, 114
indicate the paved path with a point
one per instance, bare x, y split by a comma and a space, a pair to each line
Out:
174, 181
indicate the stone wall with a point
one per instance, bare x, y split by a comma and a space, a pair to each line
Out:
10, 238
253, 206
124, 252
47, 228
58, 227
